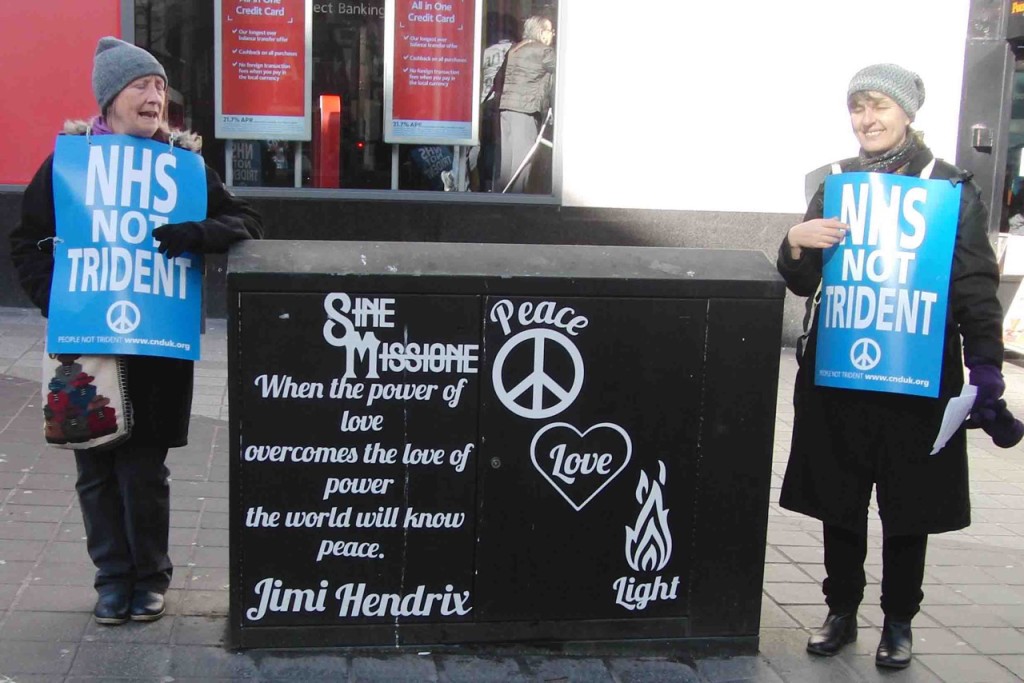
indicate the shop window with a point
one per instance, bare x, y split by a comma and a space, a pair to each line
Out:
347, 78
1012, 218
1010, 244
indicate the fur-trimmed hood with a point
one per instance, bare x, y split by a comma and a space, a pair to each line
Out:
185, 139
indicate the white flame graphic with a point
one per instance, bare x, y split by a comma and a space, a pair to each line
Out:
649, 542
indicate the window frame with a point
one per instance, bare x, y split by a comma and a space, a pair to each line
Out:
553, 199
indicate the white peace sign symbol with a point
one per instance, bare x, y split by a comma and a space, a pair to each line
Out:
865, 354
123, 317
537, 380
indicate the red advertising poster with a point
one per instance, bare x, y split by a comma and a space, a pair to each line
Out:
432, 70
30, 33
263, 87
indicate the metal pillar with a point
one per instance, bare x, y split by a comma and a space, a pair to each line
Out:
985, 102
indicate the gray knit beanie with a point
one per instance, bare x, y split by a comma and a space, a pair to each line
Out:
904, 87
117, 64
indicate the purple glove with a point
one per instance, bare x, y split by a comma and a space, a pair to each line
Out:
989, 382
1000, 424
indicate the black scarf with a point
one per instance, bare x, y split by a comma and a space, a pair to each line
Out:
893, 160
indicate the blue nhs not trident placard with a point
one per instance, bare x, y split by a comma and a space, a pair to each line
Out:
112, 292
885, 288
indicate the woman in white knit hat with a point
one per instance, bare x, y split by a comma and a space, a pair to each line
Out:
123, 491
846, 441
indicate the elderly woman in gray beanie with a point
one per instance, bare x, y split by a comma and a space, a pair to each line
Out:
123, 491
845, 441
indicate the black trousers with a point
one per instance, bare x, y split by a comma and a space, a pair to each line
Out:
126, 507
902, 572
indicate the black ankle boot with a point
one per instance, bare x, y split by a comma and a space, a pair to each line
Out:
147, 605
894, 650
838, 630
112, 606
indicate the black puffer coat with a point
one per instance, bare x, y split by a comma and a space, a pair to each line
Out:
845, 440
160, 389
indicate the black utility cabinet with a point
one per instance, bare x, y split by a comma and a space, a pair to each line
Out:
435, 444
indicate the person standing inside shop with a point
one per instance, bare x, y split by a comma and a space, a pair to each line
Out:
481, 158
124, 491
525, 100
845, 440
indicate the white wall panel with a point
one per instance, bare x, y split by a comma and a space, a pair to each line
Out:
726, 106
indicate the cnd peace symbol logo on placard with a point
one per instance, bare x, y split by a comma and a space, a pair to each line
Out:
123, 317
529, 397
865, 354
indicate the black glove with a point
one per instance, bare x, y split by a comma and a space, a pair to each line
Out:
178, 238
999, 423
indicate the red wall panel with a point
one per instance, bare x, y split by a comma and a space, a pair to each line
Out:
46, 50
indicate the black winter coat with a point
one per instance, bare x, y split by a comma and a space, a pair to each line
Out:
845, 440
160, 389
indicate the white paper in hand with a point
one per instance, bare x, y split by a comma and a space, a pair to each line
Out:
957, 410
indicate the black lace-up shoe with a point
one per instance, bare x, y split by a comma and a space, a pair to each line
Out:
838, 630
895, 649
147, 606
112, 607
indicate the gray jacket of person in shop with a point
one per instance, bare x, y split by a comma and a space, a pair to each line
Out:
529, 72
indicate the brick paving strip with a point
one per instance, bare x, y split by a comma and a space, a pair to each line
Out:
971, 627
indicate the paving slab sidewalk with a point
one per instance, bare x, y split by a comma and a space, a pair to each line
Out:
971, 627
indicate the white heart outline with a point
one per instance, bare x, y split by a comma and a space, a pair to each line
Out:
617, 428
